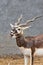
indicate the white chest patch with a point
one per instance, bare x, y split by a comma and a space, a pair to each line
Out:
25, 51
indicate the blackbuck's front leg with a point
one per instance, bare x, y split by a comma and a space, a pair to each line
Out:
26, 60
31, 57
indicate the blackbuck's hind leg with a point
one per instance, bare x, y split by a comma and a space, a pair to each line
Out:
26, 60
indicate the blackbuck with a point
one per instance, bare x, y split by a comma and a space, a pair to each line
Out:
29, 44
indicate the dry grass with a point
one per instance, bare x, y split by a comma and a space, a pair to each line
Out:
18, 60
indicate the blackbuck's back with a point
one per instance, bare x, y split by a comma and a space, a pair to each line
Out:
39, 41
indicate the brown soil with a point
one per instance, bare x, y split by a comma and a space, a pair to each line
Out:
18, 60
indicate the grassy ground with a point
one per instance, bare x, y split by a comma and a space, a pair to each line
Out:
18, 60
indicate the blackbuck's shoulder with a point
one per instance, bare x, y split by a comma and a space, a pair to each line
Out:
39, 37
30, 38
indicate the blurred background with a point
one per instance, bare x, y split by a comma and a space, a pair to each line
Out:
10, 11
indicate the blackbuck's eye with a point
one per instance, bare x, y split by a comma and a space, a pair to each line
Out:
18, 29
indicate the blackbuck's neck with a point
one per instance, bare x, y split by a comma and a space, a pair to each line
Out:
20, 39
23, 42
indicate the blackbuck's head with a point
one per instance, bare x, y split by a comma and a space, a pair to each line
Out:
18, 28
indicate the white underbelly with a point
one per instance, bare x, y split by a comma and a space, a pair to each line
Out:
39, 52
27, 51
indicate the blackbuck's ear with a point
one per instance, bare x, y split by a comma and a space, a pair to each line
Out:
11, 25
26, 27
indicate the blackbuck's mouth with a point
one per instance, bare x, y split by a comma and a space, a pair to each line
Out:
11, 34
